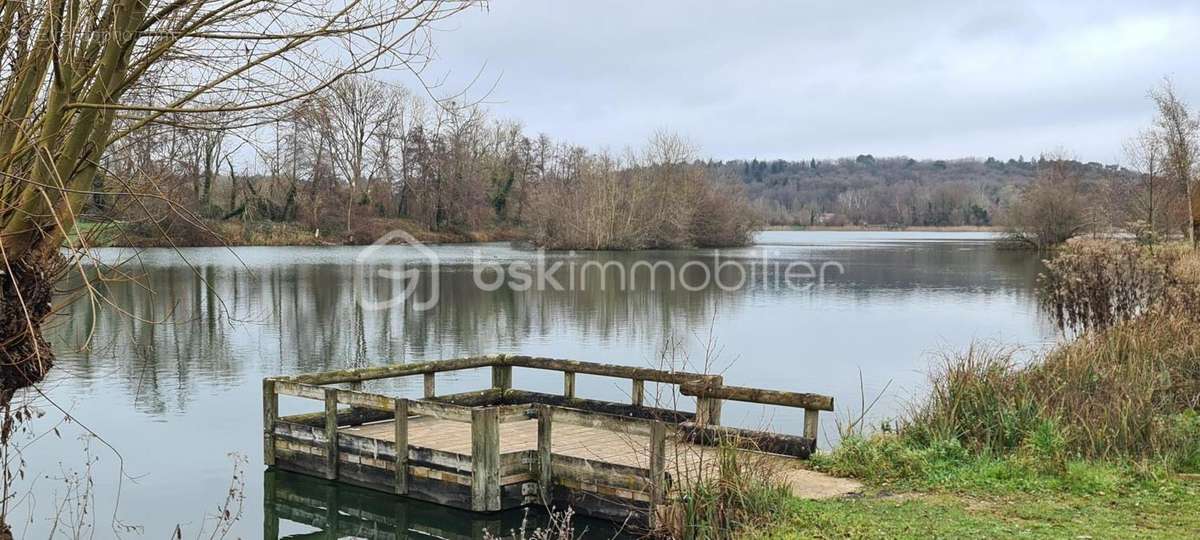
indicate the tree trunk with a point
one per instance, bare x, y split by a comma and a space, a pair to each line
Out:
1195, 215
26, 289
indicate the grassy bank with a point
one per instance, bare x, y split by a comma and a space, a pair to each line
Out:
1100, 438
979, 497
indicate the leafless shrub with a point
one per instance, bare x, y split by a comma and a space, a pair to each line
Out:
559, 526
1051, 210
1096, 284
657, 199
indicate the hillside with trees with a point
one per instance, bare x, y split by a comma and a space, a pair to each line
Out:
896, 191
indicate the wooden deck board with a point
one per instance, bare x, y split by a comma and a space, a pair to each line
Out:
683, 460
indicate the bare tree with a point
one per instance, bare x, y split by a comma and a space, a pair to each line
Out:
1053, 209
1142, 201
78, 76
352, 115
1179, 130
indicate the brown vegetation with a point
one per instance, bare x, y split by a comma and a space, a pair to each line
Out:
1051, 210
87, 87
658, 199
1097, 284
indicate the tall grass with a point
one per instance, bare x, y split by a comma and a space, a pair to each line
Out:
1124, 392
1126, 389
746, 491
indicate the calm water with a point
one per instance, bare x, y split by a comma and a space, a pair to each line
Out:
172, 386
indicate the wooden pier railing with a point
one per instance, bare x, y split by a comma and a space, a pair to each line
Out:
368, 439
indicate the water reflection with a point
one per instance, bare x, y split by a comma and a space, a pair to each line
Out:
175, 397
301, 507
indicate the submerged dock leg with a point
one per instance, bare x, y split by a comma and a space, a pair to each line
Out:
401, 437
270, 416
545, 479
331, 434
658, 468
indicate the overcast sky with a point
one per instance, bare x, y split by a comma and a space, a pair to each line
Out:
944, 78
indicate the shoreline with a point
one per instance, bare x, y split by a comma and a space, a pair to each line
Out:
885, 228
291, 235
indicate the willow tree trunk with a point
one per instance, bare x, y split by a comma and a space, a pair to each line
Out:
27, 290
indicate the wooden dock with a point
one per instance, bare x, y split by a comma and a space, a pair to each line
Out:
503, 448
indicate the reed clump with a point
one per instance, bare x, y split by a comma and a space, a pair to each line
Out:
746, 492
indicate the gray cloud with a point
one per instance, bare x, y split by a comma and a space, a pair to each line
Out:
828, 79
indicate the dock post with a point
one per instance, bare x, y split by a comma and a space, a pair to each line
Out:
545, 469
429, 388
658, 461
811, 422
708, 409
502, 377
400, 406
485, 459
331, 434
638, 393
270, 416
569, 384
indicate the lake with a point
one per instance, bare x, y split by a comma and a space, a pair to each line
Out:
171, 381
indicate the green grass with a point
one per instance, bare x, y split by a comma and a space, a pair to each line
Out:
940, 491
1172, 511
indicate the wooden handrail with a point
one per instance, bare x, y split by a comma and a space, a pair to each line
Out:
496, 360
397, 370
606, 370
800, 400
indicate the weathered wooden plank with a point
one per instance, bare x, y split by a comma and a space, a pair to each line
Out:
444, 411
365, 400
397, 370
306, 391
502, 377
315, 439
607, 370
300, 432
517, 462
544, 439
760, 441
430, 385
658, 455
514, 413
477, 398
624, 424
812, 421
565, 468
569, 384
606, 407
758, 395
270, 416
331, 433
485, 459
346, 417
708, 409
400, 444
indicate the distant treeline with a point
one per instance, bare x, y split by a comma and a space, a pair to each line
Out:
364, 157
896, 191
